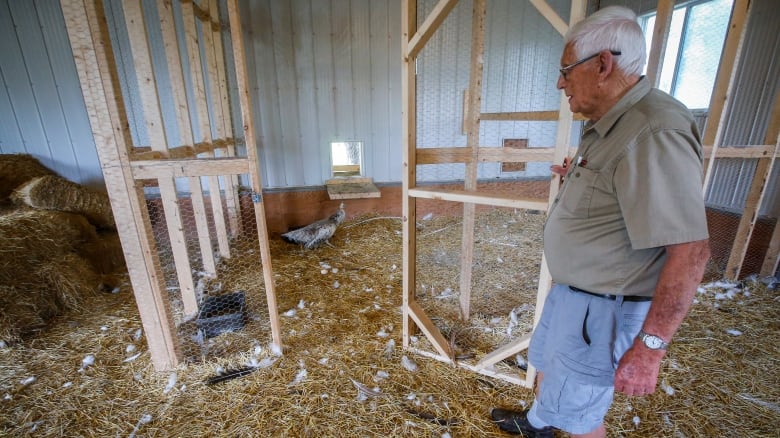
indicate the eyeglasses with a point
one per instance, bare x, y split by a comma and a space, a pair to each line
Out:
565, 70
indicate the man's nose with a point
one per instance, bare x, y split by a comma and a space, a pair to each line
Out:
559, 85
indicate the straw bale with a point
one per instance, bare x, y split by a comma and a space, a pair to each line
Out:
53, 192
16, 169
42, 273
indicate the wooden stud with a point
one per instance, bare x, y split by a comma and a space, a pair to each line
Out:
88, 33
181, 106
657, 49
150, 103
472, 143
754, 199
254, 174
769, 267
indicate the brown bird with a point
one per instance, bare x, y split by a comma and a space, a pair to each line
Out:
317, 233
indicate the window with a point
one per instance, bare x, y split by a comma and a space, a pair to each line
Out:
346, 158
696, 37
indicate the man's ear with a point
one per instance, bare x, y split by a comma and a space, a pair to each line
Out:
606, 63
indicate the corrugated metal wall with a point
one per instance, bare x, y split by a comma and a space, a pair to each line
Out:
327, 70
323, 71
42, 111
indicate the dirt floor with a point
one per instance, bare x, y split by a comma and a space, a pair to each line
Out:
342, 370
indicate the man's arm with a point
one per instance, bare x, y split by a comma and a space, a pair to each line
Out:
637, 372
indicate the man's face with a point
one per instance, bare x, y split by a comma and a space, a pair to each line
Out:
580, 83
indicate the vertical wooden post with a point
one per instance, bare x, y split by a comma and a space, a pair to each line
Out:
171, 45
254, 174
409, 174
657, 49
139, 45
472, 142
91, 47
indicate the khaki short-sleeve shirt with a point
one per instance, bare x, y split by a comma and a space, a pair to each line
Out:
634, 187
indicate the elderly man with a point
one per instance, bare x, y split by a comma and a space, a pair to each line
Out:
626, 240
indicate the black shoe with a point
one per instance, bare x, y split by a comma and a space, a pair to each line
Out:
516, 422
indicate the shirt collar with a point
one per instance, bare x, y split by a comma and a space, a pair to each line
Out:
634, 95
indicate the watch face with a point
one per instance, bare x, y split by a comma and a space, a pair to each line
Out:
653, 342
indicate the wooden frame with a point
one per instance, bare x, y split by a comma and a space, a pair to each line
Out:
412, 42
125, 166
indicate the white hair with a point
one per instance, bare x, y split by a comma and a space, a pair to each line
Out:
611, 28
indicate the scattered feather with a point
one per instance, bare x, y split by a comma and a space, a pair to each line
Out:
408, 364
171, 383
27, 381
132, 358
389, 348
145, 419
290, 313
299, 377
666, 387
734, 332
230, 375
636, 421
365, 390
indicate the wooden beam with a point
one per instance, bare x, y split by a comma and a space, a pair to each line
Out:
88, 34
429, 27
409, 171
724, 84
192, 167
769, 266
472, 141
242, 80
430, 330
657, 49
475, 197
549, 13
150, 102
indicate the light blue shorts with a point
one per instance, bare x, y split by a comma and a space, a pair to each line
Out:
577, 345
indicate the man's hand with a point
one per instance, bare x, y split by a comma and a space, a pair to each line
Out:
637, 371
561, 169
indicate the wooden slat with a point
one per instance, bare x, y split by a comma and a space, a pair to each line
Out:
769, 266
254, 174
521, 116
191, 167
753, 202
759, 151
472, 142
549, 13
429, 27
475, 197
510, 378
150, 102
484, 155
409, 172
430, 330
505, 351
231, 181
657, 49
724, 84
88, 33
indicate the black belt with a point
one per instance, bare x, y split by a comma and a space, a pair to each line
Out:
613, 297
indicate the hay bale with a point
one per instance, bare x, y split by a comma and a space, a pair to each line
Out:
42, 273
104, 253
15, 170
53, 192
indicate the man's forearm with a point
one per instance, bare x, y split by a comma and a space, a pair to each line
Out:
680, 278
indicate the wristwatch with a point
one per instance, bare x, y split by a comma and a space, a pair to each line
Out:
652, 342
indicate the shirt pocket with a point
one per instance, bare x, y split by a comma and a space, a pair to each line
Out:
578, 193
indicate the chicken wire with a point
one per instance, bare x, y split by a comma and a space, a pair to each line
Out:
232, 312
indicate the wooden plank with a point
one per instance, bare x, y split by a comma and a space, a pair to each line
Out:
409, 173
193, 167
88, 33
769, 266
521, 116
472, 142
230, 181
475, 197
514, 144
749, 215
724, 84
181, 106
485, 155
430, 330
759, 151
754, 199
196, 74
510, 378
150, 102
657, 49
254, 174
354, 190
549, 13
429, 27
503, 352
